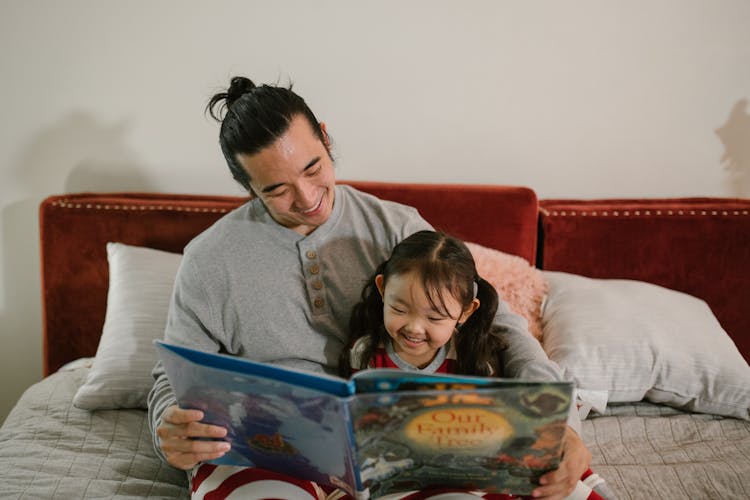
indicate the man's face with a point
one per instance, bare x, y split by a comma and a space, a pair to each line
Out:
294, 178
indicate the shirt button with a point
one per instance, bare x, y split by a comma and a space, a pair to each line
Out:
315, 269
318, 302
311, 254
317, 285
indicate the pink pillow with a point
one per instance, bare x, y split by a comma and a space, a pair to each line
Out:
518, 283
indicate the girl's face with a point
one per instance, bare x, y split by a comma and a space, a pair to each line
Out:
418, 330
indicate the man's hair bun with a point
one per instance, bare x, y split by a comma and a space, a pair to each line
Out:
238, 87
222, 101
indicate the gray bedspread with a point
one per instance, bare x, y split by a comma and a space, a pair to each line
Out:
52, 450
647, 451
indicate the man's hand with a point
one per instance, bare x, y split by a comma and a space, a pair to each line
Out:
557, 484
176, 431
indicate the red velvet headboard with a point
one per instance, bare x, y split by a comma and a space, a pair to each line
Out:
75, 228
699, 246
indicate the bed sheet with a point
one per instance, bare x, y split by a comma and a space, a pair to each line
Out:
50, 449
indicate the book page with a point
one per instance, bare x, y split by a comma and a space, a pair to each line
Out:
495, 439
273, 424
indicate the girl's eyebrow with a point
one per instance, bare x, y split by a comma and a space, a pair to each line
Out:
272, 187
398, 300
395, 298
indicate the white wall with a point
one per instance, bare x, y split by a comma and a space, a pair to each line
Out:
575, 99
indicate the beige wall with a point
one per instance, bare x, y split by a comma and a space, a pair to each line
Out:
575, 99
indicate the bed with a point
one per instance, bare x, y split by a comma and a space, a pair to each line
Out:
644, 303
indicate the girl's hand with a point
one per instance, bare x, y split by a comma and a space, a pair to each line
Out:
176, 438
557, 484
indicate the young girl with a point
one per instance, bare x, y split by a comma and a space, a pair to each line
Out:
426, 309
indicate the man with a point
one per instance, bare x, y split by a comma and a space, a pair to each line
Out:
276, 279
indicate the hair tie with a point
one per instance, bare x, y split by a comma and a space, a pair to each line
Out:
476, 289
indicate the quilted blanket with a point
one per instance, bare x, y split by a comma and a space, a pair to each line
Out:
647, 451
50, 449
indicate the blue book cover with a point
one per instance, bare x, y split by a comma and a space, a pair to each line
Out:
380, 432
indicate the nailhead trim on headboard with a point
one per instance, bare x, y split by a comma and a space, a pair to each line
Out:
638, 213
96, 206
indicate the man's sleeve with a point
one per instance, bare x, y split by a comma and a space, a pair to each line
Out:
524, 357
189, 322
414, 223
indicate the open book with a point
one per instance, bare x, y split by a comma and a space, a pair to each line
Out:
380, 432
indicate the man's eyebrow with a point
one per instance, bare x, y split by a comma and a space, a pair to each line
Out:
272, 187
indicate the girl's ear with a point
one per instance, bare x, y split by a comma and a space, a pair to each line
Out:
469, 311
379, 283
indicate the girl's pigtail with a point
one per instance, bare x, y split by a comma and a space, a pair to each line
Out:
484, 316
366, 321
477, 345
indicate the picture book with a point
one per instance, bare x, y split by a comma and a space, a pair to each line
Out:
380, 432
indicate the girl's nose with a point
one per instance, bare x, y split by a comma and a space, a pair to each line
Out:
415, 325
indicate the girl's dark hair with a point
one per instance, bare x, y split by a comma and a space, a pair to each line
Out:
444, 264
253, 117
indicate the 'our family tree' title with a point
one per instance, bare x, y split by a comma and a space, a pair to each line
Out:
469, 429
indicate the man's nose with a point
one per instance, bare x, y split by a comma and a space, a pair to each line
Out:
305, 197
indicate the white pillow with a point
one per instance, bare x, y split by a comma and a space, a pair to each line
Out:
641, 341
140, 288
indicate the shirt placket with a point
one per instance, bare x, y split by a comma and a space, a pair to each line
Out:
313, 279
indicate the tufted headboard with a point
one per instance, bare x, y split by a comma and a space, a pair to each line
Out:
76, 227
700, 246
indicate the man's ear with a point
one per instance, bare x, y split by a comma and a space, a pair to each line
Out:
326, 139
379, 281
469, 311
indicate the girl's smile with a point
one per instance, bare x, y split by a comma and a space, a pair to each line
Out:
417, 328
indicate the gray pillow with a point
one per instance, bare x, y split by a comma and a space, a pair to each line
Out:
637, 341
140, 288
